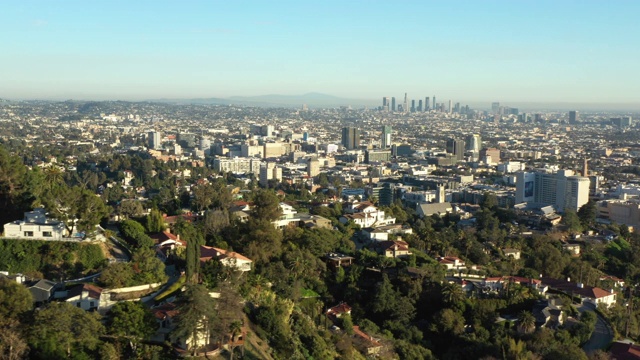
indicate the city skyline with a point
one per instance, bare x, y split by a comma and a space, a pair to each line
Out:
569, 52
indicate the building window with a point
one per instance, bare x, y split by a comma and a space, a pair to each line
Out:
78, 304
47, 234
28, 233
92, 304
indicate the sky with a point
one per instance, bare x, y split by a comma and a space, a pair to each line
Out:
477, 50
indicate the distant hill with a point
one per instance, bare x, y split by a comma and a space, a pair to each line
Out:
275, 100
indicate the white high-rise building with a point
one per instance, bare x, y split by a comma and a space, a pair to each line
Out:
563, 190
237, 165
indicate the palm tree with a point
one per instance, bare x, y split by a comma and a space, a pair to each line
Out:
235, 329
526, 322
452, 293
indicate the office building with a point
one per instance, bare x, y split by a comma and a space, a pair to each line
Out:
434, 102
187, 140
371, 156
474, 143
573, 117
562, 190
393, 104
456, 148
413, 106
385, 140
419, 109
625, 121
405, 104
313, 167
155, 140
350, 138
269, 171
237, 165
490, 155
426, 104
495, 108
450, 108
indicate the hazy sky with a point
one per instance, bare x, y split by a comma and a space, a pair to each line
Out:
515, 50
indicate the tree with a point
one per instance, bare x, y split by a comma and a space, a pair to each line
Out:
214, 221
14, 193
526, 322
61, 329
448, 322
117, 275
235, 329
130, 208
15, 299
587, 214
266, 206
131, 321
155, 222
196, 314
571, 220
75, 206
489, 201
12, 343
452, 294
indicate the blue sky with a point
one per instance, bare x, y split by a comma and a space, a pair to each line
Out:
538, 51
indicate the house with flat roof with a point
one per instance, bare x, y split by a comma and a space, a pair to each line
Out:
35, 225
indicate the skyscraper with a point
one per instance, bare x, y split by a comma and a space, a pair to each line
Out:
155, 140
434, 103
419, 109
413, 106
450, 108
562, 189
350, 137
573, 117
495, 107
426, 104
474, 143
393, 104
405, 105
456, 147
385, 141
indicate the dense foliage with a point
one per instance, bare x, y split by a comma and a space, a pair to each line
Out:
51, 259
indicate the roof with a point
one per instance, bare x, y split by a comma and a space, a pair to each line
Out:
77, 290
399, 245
624, 351
208, 252
449, 260
435, 208
168, 310
44, 285
159, 238
585, 291
370, 341
339, 309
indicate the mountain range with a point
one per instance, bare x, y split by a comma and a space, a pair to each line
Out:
312, 99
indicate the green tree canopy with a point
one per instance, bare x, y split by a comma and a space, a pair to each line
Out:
61, 329
15, 299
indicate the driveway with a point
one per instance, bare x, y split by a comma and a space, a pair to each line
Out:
602, 335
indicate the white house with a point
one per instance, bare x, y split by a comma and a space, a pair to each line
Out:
35, 225
366, 215
84, 296
289, 215
227, 258
452, 263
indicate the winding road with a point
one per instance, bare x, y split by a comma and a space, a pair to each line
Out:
602, 335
